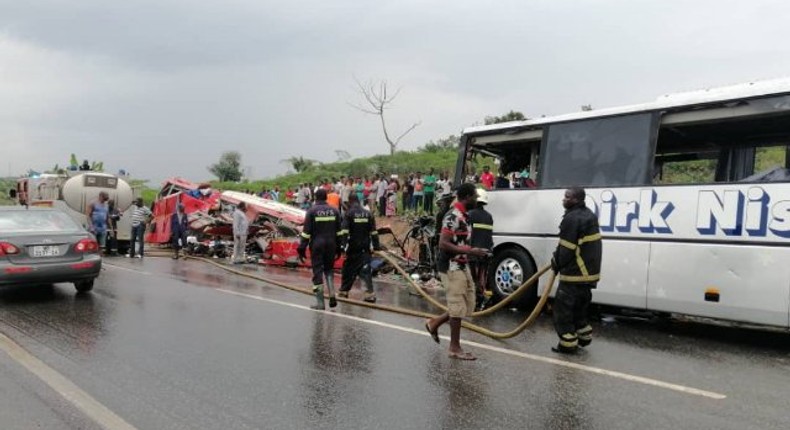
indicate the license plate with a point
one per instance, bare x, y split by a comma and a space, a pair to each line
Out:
46, 251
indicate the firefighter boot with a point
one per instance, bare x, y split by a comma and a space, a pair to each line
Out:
318, 290
568, 344
370, 297
330, 284
342, 294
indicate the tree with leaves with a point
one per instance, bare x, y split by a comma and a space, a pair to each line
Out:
510, 116
378, 99
443, 144
228, 168
300, 163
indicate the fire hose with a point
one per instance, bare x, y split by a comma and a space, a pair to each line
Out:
473, 327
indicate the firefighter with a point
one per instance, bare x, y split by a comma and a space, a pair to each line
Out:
482, 224
578, 262
359, 232
320, 232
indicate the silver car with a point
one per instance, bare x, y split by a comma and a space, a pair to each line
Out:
45, 246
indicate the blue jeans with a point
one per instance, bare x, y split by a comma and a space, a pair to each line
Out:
138, 233
101, 238
416, 202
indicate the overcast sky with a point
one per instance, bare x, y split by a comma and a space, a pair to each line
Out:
161, 88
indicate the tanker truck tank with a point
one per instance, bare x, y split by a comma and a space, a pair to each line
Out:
79, 191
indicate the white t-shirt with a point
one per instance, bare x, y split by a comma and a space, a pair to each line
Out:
444, 186
381, 189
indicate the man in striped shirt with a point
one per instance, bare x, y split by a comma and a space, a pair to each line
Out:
140, 215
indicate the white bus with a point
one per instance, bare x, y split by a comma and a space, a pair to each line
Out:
692, 192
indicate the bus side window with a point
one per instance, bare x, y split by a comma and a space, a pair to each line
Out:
750, 150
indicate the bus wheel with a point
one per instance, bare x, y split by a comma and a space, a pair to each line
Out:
508, 270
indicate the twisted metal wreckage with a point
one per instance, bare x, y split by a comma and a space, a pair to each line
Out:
274, 227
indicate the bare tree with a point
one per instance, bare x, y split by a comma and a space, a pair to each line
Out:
377, 100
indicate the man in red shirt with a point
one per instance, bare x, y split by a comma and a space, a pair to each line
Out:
487, 178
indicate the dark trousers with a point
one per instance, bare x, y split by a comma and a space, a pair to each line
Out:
112, 241
382, 206
429, 203
138, 233
357, 264
479, 270
322, 260
416, 202
179, 240
406, 201
571, 308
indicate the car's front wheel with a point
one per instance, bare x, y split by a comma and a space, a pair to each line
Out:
84, 286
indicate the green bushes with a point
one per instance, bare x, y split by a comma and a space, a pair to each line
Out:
401, 163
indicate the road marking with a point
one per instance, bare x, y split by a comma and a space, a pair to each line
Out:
533, 357
67, 389
113, 266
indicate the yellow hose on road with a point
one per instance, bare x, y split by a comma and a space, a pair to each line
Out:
504, 302
403, 311
482, 330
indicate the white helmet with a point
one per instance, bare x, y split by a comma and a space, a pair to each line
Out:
482, 196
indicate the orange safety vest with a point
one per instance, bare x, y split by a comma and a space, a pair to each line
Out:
333, 199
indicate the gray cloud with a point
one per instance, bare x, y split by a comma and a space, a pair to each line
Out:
163, 87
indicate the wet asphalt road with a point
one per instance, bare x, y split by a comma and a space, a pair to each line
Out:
172, 345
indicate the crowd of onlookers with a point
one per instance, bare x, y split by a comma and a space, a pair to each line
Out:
384, 195
389, 195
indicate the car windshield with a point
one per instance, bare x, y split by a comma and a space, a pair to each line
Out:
27, 221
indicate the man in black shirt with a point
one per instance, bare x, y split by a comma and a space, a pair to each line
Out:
359, 231
482, 224
577, 259
320, 232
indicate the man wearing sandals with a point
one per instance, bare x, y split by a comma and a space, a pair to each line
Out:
453, 269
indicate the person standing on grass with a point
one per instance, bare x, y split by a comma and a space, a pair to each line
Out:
381, 195
430, 189
418, 193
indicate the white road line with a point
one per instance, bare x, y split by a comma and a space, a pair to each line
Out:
113, 266
539, 358
67, 389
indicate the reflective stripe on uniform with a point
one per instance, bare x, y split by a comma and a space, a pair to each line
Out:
342, 232
567, 244
585, 333
305, 235
374, 233
580, 262
590, 238
483, 226
361, 220
324, 218
588, 278
569, 340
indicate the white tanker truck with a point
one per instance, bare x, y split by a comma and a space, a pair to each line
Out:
74, 191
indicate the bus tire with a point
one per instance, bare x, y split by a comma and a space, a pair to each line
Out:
508, 270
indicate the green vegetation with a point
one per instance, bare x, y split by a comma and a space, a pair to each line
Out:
6, 184
401, 163
704, 171
228, 168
